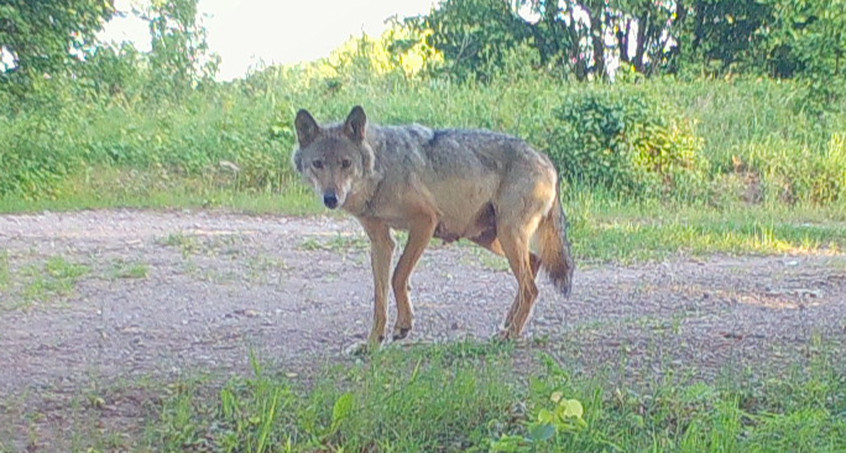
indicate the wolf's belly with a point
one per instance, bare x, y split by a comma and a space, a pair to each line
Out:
453, 228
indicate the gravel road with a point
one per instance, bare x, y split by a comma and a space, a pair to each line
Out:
105, 296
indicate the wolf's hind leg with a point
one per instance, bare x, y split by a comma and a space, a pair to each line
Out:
515, 244
489, 241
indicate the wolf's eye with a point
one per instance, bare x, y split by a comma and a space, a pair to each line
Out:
317, 164
346, 163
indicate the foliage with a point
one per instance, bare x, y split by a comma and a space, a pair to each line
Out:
179, 57
160, 114
578, 38
744, 136
38, 154
473, 35
48, 36
815, 175
400, 52
724, 36
808, 38
652, 29
596, 39
112, 74
626, 143
565, 416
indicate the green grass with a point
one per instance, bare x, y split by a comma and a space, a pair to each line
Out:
5, 274
109, 188
603, 230
61, 152
122, 269
470, 396
43, 283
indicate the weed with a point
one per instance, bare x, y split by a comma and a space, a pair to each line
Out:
5, 273
259, 266
230, 146
339, 243
55, 279
188, 245
122, 269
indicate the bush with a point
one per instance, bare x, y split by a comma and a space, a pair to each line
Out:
627, 143
40, 149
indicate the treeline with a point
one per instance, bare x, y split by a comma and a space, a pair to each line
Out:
599, 38
576, 40
54, 42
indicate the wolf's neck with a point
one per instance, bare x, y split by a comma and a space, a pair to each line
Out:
361, 193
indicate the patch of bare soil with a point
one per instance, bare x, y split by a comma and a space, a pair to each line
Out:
96, 297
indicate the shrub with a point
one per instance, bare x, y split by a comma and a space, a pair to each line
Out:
627, 143
37, 153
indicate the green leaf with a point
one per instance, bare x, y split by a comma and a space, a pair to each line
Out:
546, 417
542, 432
556, 396
572, 408
343, 407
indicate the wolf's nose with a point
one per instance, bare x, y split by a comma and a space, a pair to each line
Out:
330, 200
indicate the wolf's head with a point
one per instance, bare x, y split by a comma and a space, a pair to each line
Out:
333, 158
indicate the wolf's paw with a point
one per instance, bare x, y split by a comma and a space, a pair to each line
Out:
401, 332
361, 349
356, 349
508, 337
505, 335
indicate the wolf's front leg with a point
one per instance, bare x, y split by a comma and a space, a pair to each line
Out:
423, 226
381, 252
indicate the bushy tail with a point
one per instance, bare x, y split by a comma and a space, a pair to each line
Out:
555, 255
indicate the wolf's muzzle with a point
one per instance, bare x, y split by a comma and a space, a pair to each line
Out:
330, 199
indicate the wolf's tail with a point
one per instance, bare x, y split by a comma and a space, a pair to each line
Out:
555, 255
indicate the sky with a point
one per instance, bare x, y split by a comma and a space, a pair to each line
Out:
247, 32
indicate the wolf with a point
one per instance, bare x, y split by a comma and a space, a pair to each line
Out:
491, 188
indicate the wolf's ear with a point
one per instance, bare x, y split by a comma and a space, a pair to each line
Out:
355, 124
307, 128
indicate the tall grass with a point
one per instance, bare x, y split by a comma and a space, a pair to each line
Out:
757, 141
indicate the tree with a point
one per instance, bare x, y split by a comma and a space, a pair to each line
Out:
473, 35
579, 37
808, 36
44, 36
725, 35
570, 35
647, 34
807, 39
782, 38
179, 56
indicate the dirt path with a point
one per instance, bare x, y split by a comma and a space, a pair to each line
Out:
105, 296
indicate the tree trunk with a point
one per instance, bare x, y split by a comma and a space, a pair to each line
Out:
595, 12
623, 40
574, 51
640, 49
